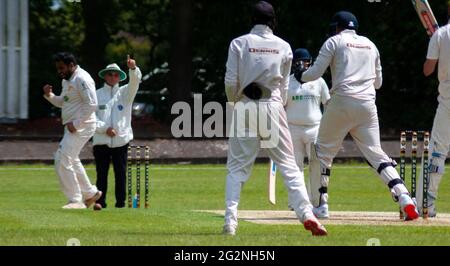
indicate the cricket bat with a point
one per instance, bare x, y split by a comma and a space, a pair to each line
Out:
426, 16
272, 181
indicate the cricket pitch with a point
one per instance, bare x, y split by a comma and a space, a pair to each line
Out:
338, 218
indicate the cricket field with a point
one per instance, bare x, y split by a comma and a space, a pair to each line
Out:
186, 209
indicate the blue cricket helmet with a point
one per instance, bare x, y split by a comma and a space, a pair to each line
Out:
344, 19
302, 54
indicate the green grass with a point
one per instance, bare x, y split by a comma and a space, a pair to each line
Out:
31, 214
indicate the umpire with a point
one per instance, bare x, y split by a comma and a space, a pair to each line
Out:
114, 130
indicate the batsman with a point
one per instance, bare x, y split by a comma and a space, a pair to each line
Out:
356, 74
438, 55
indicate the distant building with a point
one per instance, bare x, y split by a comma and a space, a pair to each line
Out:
14, 57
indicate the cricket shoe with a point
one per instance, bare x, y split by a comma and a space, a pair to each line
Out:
92, 200
229, 229
431, 209
74, 206
321, 212
408, 207
311, 223
431, 206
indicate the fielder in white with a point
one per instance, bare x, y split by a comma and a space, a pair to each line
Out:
78, 102
356, 74
257, 73
438, 53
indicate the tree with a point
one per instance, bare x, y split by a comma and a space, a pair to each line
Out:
196, 47
96, 34
148, 18
180, 64
51, 30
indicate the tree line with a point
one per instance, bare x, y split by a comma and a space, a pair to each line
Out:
182, 45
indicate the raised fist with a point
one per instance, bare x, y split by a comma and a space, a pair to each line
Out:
48, 89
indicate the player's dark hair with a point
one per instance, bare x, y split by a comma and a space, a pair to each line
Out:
263, 13
65, 57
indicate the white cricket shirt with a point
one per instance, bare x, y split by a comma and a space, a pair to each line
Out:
303, 103
355, 65
439, 49
259, 57
78, 100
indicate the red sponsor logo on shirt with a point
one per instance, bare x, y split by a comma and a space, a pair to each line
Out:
358, 46
264, 50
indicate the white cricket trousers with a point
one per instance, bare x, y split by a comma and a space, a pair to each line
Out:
359, 118
72, 176
302, 138
439, 148
243, 151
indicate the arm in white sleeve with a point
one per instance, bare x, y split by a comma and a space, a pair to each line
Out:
433, 47
289, 98
133, 85
378, 72
55, 100
101, 126
89, 102
322, 62
285, 71
325, 92
232, 70
432, 55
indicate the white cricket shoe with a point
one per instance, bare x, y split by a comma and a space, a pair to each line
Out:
311, 223
74, 206
229, 229
321, 212
408, 207
92, 200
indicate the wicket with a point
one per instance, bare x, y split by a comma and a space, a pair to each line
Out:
414, 137
136, 157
